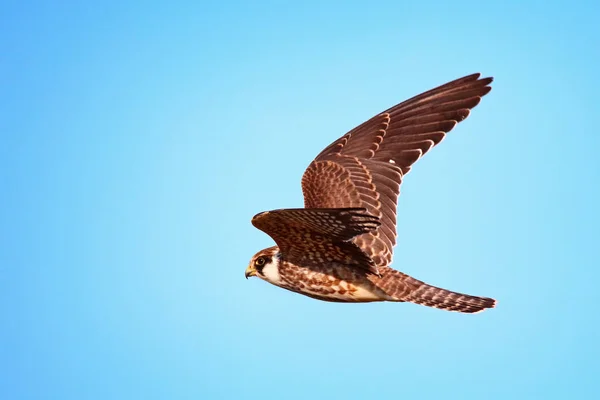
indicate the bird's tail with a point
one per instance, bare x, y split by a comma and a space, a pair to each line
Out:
403, 287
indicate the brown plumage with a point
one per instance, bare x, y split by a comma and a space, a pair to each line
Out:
339, 247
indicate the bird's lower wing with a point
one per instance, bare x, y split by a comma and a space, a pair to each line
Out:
315, 236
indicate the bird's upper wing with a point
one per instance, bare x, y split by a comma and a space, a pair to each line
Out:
364, 168
315, 236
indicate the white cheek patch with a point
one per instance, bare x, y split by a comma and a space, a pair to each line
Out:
271, 271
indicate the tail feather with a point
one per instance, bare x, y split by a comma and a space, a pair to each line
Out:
403, 287
443, 299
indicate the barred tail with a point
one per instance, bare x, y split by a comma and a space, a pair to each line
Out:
406, 288
446, 300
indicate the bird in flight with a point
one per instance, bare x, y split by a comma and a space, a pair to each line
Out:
339, 247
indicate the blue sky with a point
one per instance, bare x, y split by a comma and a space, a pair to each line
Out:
139, 139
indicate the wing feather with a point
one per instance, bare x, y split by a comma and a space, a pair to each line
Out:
317, 235
365, 167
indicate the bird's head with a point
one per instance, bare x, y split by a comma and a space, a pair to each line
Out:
265, 265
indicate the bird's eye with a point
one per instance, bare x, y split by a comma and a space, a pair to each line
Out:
260, 261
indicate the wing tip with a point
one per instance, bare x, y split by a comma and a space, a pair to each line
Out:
477, 77
258, 217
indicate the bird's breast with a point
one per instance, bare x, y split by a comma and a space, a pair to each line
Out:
330, 282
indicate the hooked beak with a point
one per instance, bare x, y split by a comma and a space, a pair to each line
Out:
250, 271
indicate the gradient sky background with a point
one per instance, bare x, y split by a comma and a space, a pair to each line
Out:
139, 139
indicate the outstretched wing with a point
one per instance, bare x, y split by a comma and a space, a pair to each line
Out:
364, 168
314, 236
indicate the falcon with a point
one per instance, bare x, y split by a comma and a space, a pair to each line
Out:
339, 247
